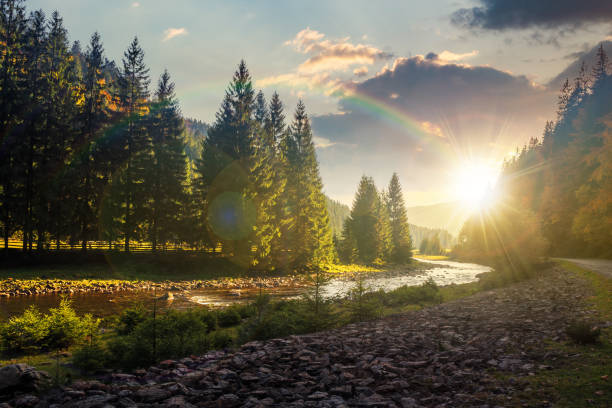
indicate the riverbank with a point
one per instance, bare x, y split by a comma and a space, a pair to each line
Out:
136, 274
504, 347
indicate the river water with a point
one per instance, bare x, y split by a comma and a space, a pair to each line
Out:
100, 305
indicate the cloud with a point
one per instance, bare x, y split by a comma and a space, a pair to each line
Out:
135, 4
452, 57
327, 62
322, 143
421, 116
515, 14
171, 33
333, 55
361, 71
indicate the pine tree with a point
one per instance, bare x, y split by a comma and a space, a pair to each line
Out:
400, 230
309, 239
60, 108
600, 69
166, 168
133, 102
13, 25
563, 100
90, 174
225, 171
364, 222
268, 187
36, 37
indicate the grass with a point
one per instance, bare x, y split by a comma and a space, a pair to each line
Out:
432, 257
585, 378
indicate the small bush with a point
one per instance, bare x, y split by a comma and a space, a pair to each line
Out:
220, 339
228, 317
583, 332
408, 295
90, 358
33, 331
25, 333
130, 318
173, 335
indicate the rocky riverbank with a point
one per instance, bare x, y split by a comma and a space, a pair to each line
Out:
28, 287
444, 356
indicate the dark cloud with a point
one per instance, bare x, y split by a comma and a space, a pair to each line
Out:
422, 114
509, 14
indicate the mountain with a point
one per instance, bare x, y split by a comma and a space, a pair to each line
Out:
445, 216
573, 68
195, 133
338, 212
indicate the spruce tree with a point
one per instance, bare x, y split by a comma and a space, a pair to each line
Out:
600, 69
93, 117
35, 137
225, 171
400, 230
309, 239
364, 222
61, 126
13, 25
165, 177
133, 102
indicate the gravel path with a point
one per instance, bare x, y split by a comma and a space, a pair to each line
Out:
602, 266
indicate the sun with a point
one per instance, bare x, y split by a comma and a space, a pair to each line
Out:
474, 185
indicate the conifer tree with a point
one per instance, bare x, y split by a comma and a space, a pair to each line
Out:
600, 69
225, 171
94, 114
133, 102
363, 225
60, 108
166, 168
400, 230
13, 25
309, 238
34, 118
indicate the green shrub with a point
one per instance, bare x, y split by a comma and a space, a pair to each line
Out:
66, 328
409, 295
209, 317
173, 335
130, 318
583, 332
90, 358
34, 332
25, 333
228, 317
220, 339
362, 303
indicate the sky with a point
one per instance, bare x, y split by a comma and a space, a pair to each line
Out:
422, 88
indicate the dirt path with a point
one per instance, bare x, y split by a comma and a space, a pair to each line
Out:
602, 266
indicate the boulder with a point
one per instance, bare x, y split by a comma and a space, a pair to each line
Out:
22, 378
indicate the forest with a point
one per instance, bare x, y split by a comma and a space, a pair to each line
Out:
553, 197
91, 154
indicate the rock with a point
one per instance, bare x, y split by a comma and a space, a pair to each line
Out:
22, 378
26, 401
152, 394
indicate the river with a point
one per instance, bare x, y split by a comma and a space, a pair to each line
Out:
442, 272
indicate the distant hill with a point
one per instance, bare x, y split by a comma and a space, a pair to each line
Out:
338, 212
195, 133
445, 216
588, 57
